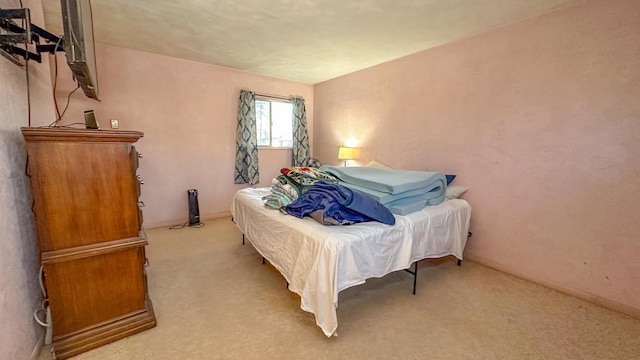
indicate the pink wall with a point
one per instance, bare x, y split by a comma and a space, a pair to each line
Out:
20, 294
188, 112
541, 119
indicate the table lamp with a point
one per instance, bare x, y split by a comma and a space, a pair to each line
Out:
346, 153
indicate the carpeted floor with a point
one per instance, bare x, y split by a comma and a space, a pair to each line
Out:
214, 299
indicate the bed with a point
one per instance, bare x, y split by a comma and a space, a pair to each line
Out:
319, 261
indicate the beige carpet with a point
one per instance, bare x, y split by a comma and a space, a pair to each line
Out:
214, 299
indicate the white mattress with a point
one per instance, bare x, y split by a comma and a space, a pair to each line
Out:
319, 261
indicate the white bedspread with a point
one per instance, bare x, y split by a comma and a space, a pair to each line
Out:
319, 261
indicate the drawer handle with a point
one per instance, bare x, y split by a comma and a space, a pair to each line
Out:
140, 155
140, 180
141, 204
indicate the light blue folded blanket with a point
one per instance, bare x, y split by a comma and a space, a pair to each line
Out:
384, 197
401, 191
386, 180
410, 204
408, 208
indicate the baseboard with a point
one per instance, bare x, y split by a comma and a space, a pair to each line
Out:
35, 354
595, 299
162, 224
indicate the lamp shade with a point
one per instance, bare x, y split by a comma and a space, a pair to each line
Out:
346, 153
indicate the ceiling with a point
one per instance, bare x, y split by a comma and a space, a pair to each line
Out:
307, 41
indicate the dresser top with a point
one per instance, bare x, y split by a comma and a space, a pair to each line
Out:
73, 135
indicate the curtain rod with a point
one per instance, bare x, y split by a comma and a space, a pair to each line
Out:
274, 96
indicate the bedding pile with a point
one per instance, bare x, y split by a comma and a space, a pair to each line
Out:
293, 182
307, 191
401, 191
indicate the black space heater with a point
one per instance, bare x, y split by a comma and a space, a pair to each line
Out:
194, 211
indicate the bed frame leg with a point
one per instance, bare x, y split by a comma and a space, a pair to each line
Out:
242, 239
415, 276
468, 236
263, 260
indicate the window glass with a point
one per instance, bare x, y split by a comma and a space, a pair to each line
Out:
274, 123
263, 120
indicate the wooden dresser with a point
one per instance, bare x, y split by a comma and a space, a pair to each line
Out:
92, 244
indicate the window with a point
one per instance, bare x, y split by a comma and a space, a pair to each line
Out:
274, 123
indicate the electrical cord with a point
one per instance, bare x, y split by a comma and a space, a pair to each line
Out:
26, 70
179, 226
45, 301
182, 226
55, 79
71, 126
37, 318
55, 84
55, 123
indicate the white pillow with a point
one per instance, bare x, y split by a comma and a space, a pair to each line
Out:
455, 191
375, 164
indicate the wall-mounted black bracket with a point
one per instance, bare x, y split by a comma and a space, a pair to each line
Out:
30, 33
12, 49
15, 33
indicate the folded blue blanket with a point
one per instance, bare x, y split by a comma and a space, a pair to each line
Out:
340, 203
